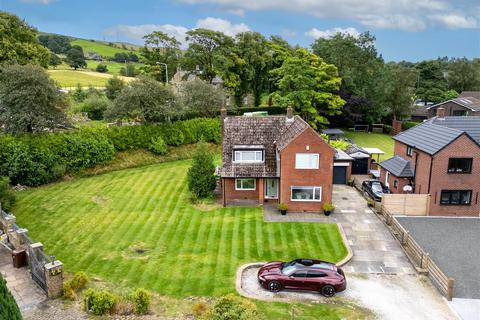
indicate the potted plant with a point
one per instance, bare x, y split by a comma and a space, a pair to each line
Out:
328, 208
283, 207
370, 203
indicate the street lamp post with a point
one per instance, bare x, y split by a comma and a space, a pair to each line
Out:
166, 70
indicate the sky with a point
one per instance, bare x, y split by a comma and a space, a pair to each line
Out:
409, 30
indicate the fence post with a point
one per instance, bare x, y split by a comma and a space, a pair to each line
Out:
405, 238
451, 284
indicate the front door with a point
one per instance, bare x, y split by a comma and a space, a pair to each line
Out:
271, 188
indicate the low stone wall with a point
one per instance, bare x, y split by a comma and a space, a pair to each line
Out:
47, 272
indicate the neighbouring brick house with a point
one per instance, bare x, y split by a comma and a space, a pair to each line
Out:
276, 159
461, 106
440, 157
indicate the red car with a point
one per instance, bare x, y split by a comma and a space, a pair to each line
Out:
303, 274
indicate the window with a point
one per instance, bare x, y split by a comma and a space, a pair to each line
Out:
459, 113
306, 161
248, 156
460, 165
245, 184
395, 184
300, 274
306, 193
409, 151
316, 274
456, 197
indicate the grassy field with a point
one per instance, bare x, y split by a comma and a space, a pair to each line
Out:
98, 47
373, 140
113, 67
70, 78
136, 228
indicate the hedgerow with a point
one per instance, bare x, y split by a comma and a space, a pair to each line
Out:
35, 159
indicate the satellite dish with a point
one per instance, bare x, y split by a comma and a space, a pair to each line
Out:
408, 188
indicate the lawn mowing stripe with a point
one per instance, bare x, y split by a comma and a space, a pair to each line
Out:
222, 248
259, 235
270, 237
306, 231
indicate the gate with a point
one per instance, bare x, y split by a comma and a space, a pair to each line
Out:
37, 262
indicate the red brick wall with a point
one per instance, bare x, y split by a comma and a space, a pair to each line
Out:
289, 176
442, 180
422, 161
232, 194
396, 126
401, 182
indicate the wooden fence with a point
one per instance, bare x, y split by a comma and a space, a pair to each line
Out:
418, 256
407, 204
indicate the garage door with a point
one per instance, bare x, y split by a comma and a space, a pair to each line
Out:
339, 175
360, 166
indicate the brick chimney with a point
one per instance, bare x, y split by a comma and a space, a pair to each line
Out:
440, 113
289, 113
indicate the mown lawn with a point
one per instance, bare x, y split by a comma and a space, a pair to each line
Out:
373, 140
71, 78
113, 67
136, 228
100, 48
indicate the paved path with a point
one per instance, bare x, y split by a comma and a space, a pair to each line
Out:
374, 248
24, 290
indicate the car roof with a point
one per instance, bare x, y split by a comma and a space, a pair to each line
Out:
316, 264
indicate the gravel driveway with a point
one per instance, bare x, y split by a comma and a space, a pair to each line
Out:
453, 245
389, 296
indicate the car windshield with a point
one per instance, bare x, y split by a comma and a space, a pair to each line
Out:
289, 267
376, 186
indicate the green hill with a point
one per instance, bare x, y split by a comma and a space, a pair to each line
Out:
99, 47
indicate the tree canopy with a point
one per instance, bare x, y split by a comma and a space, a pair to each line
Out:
202, 98
56, 43
19, 43
29, 100
160, 48
76, 58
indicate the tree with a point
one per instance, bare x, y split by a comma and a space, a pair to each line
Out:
201, 97
201, 175
211, 51
56, 43
29, 100
101, 67
431, 82
129, 70
464, 75
113, 87
19, 43
8, 307
7, 197
95, 106
76, 58
145, 100
399, 89
160, 48
252, 65
54, 60
311, 85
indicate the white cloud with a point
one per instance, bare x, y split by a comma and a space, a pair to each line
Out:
287, 33
222, 25
410, 15
38, 1
136, 32
316, 34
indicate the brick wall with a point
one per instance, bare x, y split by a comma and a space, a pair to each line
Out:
231, 194
449, 108
422, 160
442, 180
401, 182
322, 177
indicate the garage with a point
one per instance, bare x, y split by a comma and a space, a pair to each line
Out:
339, 175
360, 166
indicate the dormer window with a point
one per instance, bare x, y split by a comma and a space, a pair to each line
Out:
248, 154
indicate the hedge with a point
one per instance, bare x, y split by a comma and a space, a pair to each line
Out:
35, 159
408, 124
8, 307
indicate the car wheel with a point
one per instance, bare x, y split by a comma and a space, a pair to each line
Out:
328, 291
274, 286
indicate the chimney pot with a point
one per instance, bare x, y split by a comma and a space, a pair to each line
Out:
289, 112
441, 113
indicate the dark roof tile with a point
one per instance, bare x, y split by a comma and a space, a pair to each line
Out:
398, 166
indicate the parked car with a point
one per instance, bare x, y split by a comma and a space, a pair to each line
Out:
303, 274
375, 189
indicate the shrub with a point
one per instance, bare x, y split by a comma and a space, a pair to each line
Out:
141, 301
100, 302
7, 197
388, 129
283, 207
95, 105
8, 307
232, 308
339, 144
68, 291
199, 309
79, 281
408, 124
79, 94
113, 87
101, 67
200, 177
158, 146
328, 207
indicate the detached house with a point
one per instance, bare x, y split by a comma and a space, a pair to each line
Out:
440, 157
275, 159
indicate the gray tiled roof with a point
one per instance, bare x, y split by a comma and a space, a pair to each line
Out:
467, 102
470, 125
428, 137
271, 132
398, 166
473, 94
342, 156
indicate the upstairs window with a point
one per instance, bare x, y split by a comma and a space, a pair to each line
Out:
248, 156
456, 197
306, 160
409, 151
460, 165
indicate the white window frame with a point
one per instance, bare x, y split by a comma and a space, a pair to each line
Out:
238, 155
241, 184
316, 162
410, 151
306, 187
